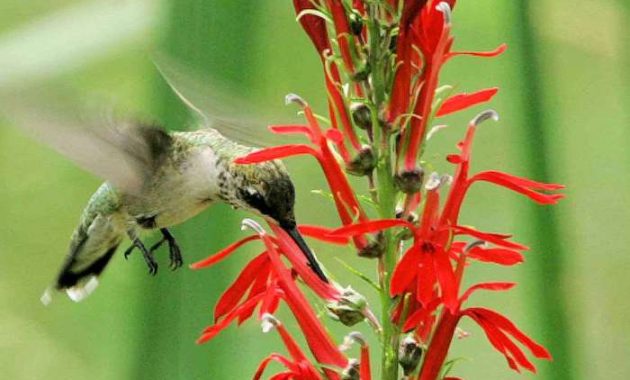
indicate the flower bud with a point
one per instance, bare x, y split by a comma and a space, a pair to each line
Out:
362, 73
356, 22
361, 115
375, 248
349, 309
363, 163
409, 355
351, 372
409, 181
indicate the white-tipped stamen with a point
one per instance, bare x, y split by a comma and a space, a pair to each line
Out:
446, 180
269, 322
250, 223
354, 337
435, 129
293, 98
46, 298
483, 116
433, 182
446, 10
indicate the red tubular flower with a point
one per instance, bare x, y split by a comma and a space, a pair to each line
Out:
264, 282
298, 367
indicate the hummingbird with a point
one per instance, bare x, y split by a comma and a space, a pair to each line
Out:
177, 175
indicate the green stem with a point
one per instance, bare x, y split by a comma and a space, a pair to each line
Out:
386, 194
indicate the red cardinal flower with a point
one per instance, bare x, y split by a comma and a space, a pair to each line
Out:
264, 282
298, 366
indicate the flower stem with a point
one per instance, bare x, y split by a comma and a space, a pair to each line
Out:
386, 194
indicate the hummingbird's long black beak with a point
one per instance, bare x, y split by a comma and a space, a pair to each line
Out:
312, 261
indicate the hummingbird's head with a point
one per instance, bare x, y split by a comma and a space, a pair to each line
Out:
270, 192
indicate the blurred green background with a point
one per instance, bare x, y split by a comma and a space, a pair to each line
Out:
564, 103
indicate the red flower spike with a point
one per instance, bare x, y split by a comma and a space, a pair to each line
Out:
462, 101
215, 258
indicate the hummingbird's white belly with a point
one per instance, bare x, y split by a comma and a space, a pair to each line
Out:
179, 192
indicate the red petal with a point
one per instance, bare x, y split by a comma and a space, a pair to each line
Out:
499, 340
446, 279
263, 365
276, 152
495, 286
230, 298
299, 263
499, 256
370, 226
492, 53
497, 239
334, 135
323, 234
405, 271
364, 365
509, 327
314, 26
215, 258
258, 287
521, 185
462, 101
213, 330
292, 129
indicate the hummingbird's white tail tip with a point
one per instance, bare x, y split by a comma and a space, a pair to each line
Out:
79, 292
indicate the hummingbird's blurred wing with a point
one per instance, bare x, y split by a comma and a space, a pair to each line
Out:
232, 115
125, 154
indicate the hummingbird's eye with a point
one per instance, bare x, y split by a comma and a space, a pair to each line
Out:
255, 200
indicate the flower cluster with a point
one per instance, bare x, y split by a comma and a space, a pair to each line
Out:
381, 63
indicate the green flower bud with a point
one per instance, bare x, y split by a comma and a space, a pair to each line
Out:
349, 309
409, 181
351, 372
375, 248
361, 115
409, 355
363, 163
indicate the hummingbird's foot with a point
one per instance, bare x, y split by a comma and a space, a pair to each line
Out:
148, 255
175, 254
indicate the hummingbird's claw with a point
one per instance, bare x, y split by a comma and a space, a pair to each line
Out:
175, 253
129, 250
148, 255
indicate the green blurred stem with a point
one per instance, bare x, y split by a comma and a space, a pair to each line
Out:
387, 201
547, 274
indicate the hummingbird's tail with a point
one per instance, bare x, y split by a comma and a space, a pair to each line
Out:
93, 245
